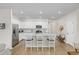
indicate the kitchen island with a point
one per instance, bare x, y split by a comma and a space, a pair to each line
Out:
38, 39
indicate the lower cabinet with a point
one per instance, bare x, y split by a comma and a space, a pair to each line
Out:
42, 43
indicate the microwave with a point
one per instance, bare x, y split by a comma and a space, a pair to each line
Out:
38, 26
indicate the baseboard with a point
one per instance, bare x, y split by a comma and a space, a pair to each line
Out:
70, 43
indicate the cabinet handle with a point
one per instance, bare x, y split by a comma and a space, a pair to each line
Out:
50, 40
29, 40
39, 40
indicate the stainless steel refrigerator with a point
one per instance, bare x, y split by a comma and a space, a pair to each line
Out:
15, 34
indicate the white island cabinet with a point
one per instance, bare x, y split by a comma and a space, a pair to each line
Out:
38, 40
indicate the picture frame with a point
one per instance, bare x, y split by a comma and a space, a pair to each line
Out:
2, 25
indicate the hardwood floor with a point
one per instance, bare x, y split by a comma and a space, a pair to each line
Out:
60, 49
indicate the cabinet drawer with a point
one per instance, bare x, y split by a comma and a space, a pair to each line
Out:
39, 45
28, 44
39, 42
51, 45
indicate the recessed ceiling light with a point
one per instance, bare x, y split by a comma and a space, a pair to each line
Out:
22, 12
41, 12
59, 12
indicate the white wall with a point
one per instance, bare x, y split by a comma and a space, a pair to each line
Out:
14, 20
77, 15
52, 26
70, 25
6, 34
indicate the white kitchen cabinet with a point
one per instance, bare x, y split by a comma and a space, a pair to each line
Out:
39, 40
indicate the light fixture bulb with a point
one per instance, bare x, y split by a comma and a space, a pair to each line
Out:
41, 12
59, 12
22, 12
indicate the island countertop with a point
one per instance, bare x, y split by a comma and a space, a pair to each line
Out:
25, 35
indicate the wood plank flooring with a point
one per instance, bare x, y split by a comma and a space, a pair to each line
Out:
60, 49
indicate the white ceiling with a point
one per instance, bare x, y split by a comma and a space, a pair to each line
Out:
40, 10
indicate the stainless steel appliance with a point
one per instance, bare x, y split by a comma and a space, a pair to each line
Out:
15, 34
